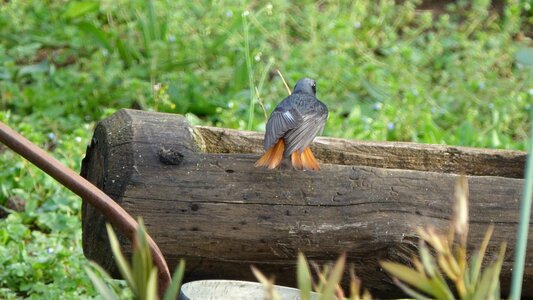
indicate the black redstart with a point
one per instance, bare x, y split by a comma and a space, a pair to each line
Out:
293, 126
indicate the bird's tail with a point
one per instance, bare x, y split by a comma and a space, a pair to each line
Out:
305, 160
273, 157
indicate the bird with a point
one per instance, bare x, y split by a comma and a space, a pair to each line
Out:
292, 127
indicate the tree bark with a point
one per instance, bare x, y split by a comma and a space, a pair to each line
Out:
202, 199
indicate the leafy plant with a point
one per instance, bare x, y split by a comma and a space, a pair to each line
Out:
431, 272
328, 285
140, 275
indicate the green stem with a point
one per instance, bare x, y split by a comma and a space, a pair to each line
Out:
525, 212
251, 107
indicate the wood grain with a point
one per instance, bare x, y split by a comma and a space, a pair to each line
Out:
202, 199
390, 155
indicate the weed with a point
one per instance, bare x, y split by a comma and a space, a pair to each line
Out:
431, 273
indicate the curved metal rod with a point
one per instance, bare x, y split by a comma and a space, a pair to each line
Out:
87, 191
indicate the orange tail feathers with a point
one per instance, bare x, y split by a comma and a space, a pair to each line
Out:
309, 161
297, 160
273, 157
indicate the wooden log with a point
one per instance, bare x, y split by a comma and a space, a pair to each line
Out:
203, 200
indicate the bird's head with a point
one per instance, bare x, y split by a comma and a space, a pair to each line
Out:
305, 85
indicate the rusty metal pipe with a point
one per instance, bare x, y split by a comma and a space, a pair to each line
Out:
113, 212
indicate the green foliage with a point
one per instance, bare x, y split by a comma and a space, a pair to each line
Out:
303, 276
454, 82
35, 259
140, 275
431, 273
387, 72
328, 285
40, 247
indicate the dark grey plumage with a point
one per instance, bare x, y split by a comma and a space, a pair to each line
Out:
297, 119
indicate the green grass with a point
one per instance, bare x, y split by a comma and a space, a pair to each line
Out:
386, 72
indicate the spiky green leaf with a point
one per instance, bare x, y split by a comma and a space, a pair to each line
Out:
123, 266
409, 291
408, 275
303, 275
477, 259
427, 260
334, 278
99, 284
172, 291
151, 286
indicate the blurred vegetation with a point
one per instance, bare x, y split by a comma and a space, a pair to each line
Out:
457, 75
326, 286
141, 275
449, 271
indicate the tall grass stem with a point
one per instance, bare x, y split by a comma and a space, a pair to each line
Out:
284, 82
259, 88
251, 107
523, 226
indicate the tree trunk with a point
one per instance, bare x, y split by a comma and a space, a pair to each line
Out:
203, 200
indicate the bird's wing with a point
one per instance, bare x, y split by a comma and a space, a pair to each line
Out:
302, 136
281, 120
